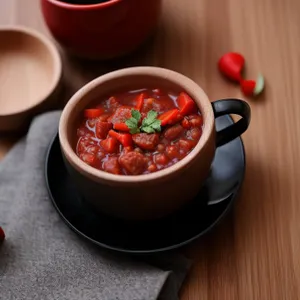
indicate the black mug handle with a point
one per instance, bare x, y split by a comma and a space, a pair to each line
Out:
231, 106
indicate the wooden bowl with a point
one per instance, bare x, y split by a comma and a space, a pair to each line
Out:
30, 70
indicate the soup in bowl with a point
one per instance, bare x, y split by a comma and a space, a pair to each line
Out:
139, 142
139, 131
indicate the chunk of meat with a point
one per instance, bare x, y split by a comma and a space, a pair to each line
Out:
100, 155
133, 162
146, 141
186, 145
111, 165
104, 117
194, 133
196, 120
139, 150
127, 149
161, 148
161, 159
121, 115
186, 123
88, 158
83, 131
152, 168
102, 129
112, 104
172, 152
160, 105
192, 121
173, 132
84, 143
92, 149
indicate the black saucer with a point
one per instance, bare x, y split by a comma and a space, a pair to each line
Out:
193, 221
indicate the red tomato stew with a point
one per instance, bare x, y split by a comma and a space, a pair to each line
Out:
139, 132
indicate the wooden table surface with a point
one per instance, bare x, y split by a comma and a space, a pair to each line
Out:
255, 253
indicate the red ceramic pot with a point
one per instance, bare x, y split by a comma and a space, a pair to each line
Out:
104, 30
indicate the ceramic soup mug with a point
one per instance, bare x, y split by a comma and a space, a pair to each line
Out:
163, 192
101, 31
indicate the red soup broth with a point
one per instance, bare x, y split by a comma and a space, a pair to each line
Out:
105, 142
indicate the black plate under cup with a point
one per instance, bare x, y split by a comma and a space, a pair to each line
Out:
202, 214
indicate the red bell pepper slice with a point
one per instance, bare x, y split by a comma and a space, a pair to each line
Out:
121, 127
124, 138
169, 117
140, 101
186, 104
110, 145
92, 113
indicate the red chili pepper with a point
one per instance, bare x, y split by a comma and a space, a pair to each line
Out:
124, 138
231, 65
252, 87
2, 235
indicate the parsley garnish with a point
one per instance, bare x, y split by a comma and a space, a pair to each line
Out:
149, 125
133, 122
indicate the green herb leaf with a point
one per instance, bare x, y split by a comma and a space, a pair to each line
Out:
151, 124
148, 129
134, 130
151, 116
136, 114
132, 124
156, 125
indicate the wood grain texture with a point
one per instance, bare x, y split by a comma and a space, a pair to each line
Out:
255, 253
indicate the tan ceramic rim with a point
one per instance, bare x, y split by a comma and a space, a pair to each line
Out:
178, 79
56, 63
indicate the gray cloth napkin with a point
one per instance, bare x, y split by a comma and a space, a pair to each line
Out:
43, 259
